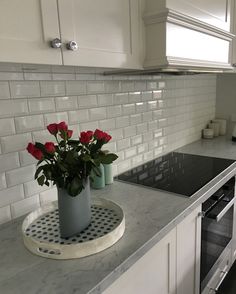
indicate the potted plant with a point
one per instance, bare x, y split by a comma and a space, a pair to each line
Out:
68, 164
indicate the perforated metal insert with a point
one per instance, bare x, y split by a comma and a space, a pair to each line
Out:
46, 227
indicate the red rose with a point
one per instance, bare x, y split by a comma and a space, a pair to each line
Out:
30, 148
85, 137
107, 138
38, 154
50, 147
98, 134
62, 126
69, 134
52, 128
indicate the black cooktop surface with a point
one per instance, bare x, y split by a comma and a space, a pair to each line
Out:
179, 173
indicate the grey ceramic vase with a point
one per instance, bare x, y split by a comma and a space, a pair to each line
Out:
74, 212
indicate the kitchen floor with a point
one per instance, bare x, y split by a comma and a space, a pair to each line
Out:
229, 284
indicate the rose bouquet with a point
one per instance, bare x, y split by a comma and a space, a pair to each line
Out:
68, 163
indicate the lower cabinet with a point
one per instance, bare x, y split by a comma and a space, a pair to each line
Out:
151, 274
172, 266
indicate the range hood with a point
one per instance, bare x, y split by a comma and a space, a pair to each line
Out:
187, 36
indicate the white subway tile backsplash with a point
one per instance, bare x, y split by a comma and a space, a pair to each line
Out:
89, 126
11, 108
78, 116
121, 98
24, 89
87, 101
5, 76
122, 121
32, 188
142, 128
20, 175
55, 117
29, 123
129, 131
15, 142
9, 161
123, 144
4, 90
98, 113
114, 111
34, 76
5, 214
128, 109
48, 196
52, 88
3, 183
112, 86
134, 97
7, 126
146, 116
41, 105
66, 103
75, 87
95, 87
24, 206
135, 118
26, 158
11, 195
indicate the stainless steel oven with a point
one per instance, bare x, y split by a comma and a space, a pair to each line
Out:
217, 229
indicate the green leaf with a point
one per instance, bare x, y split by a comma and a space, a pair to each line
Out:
86, 158
75, 187
108, 158
39, 169
41, 180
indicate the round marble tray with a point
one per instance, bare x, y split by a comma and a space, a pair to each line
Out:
41, 231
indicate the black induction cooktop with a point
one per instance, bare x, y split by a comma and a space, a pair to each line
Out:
175, 172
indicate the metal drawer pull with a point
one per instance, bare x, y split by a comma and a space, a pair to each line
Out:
72, 45
220, 282
223, 211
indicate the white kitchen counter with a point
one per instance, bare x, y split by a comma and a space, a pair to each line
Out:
150, 215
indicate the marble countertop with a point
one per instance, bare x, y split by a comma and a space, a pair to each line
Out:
150, 215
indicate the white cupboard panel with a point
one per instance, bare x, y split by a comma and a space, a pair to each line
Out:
106, 31
26, 28
151, 274
188, 254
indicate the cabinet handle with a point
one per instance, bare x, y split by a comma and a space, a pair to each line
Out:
224, 274
72, 45
56, 43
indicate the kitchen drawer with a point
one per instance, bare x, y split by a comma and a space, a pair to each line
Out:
219, 275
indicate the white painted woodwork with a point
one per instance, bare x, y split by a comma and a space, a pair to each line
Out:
26, 27
188, 34
107, 32
151, 274
188, 254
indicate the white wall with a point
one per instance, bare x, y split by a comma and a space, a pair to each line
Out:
146, 115
226, 99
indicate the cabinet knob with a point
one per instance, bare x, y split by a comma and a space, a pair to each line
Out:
72, 45
56, 43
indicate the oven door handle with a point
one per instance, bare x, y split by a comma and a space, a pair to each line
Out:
219, 216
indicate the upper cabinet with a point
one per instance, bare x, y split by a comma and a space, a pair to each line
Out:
107, 32
104, 33
26, 27
193, 33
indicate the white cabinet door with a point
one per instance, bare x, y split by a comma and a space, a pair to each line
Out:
213, 12
188, 254
154, 273
107, 32
26, 28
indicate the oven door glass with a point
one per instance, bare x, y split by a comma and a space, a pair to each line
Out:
217, 228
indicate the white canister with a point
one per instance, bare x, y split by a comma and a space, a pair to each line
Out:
208, 133
222, 123
216, 128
